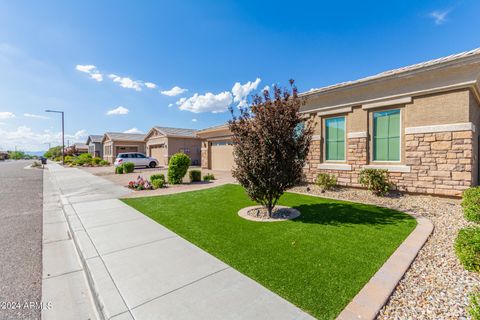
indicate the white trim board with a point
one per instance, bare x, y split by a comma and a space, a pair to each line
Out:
359, 134
390, 168
386, 103
467, 126
334, 111
335, 166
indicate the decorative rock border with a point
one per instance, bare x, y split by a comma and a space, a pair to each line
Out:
293, 213
375, 294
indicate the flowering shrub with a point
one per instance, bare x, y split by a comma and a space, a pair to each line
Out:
140, 184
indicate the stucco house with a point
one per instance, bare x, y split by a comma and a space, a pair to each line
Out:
77, 148
95, 146
163, 142
217, 148
117, 142
418, 122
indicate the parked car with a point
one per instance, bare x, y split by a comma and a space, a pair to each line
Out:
138, 159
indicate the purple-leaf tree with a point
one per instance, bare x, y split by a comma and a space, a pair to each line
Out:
271, 142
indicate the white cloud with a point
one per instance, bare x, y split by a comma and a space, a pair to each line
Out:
133, 130
170, 105
126, 82
117, 111
36, 116
175, 91
241, 91
439, 17
91, 70
266, 88
208, 102
7, 115
150, 85
194, 120
24, 138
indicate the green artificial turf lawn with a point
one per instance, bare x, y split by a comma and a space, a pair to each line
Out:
318, 261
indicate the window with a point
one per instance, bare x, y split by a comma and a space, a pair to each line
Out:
386, 135
335, 139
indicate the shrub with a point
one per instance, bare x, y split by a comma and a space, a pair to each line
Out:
157, 176
158, 183
68, 159
104, 163
471, 204
326, 181
59, 158
208, 177
84, 158
36, 164
195, 175
467, 248
128, 167
96, 160
375, 180
474, 308
178, 167
119, 169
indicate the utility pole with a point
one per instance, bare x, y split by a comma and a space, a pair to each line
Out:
63, 133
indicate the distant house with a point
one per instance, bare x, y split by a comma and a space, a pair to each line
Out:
117, 142
95, 146
3, 155
76, 149
217, 148
163, 142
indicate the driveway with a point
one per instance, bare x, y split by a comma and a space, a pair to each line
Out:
221, 177
20, 238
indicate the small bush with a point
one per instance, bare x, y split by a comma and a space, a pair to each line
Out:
208, 177
326, 181
467, 248
157, 176
158, 183
36, 164
96, 160
59, 158
375, 180
128, 167
119, 169
195, 175
471, 204
104, 163
474, 308
178, 167
68, 159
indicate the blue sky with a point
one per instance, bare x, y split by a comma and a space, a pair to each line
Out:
53, 54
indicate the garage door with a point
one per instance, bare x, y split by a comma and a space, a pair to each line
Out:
159, 152
221, 155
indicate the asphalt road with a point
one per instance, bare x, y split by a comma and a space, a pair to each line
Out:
21, 197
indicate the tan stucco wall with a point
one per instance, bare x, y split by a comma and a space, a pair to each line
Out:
405, 85
474, 105
175, 144
441, 108
357, 120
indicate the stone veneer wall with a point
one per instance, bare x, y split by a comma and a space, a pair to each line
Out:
204, 157
440, 163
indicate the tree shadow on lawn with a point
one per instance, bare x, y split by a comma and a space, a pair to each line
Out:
341, 214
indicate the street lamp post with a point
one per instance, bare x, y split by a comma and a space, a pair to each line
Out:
63, 133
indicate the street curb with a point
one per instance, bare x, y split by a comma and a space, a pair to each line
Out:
377, 291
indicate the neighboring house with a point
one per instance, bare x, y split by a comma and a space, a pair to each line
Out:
95, 146
418, 122
3, 155
217, 148
76, 148
163, 142
116, 142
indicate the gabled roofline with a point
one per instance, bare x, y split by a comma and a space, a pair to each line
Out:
463, 58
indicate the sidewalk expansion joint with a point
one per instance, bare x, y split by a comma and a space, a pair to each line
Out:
139, 245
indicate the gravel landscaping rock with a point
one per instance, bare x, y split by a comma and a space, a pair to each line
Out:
436, 286
260, 213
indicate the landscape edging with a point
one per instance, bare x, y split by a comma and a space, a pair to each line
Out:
377, 291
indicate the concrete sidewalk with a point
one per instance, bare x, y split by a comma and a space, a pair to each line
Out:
138, 269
